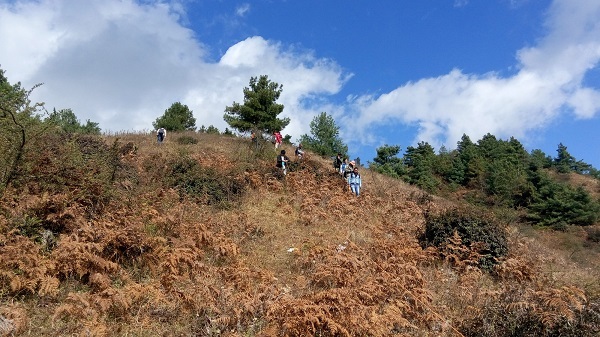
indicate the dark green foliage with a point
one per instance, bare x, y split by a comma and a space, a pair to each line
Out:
206, 184
472, 228
186, 140
324, 139
564, 161
557, 205
260, 110
178, 117
387, 161
539, 159
419, 161
66, 121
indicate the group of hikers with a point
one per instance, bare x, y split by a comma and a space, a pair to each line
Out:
348, 170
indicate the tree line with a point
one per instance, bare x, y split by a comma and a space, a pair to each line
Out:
496, 172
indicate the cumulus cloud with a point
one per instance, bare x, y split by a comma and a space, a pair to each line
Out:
549, 82
122, 63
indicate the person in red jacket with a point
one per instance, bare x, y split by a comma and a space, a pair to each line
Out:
278, 139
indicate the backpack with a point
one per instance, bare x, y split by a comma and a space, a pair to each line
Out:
279, 161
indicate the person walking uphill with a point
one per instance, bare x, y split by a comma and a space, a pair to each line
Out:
161, 134
355, 181
282, 161
278, 139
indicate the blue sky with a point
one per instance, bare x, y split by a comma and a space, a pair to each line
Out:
389, 72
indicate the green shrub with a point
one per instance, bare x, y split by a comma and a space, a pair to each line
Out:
186, 140
477, 233
204, 183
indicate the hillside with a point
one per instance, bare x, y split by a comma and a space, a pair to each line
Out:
122, 237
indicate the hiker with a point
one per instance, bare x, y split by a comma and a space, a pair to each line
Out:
161, 134
349, 169
342, 167
299, 152
355, 182
278, 139
337, 162
282, 161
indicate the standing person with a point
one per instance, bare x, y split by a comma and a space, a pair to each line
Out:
299, 152
355, 182
282, 161
349, 169
278, 139
161, 134
342, 167
337, 162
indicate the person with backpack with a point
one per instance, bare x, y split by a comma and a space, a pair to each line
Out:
355, 181
161, 134
282, 161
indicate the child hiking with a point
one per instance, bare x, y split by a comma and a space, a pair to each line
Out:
282, 161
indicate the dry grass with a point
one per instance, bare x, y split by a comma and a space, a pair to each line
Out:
299, 256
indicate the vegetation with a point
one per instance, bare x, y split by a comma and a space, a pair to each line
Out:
117, 236
66, 121
499, 173
259, 111
466, 237
325, 138
178, 117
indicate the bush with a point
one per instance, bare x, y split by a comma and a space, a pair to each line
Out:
186, 140
207, 184
478, 236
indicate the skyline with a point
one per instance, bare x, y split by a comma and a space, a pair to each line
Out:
387, 72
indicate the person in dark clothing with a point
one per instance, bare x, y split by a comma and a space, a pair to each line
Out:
282, 162
337, 162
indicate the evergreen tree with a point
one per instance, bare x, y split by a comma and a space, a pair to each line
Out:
387, 161
259, 111
178, 117
420, 161
324, 139
539, 159
564, 161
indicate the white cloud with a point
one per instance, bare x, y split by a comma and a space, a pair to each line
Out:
122, 63
548, 83
242, 10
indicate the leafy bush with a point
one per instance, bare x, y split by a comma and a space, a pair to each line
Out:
207, 184
186, 140
476, 233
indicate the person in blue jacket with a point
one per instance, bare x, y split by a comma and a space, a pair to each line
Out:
355, 181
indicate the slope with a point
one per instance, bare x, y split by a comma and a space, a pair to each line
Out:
201, 237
